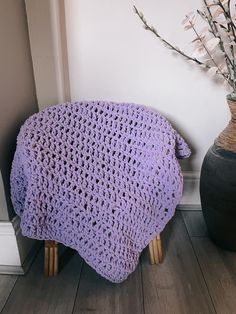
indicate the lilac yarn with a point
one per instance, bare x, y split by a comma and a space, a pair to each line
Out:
99, 177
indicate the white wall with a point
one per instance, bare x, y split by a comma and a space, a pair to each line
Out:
46, 23
112, 57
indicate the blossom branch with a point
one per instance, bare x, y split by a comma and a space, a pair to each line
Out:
216, 34
228, 17
230, 31
207, 51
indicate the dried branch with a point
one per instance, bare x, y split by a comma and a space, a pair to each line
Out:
169, 45
231, 46
207, 51
220, 48
216, 34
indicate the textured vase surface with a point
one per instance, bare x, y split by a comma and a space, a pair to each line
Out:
218, 185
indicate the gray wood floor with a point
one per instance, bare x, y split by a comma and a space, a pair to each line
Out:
195, 277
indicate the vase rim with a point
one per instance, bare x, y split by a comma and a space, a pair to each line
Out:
231, 97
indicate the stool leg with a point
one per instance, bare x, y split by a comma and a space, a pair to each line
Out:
155, 250
50, 258
151, 253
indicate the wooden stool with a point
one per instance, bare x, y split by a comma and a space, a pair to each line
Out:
51, 255
155, 250
50, 258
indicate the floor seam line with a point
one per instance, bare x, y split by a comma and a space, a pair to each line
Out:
213, 304
141, 271
77, 289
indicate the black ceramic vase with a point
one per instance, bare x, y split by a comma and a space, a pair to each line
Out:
218, 185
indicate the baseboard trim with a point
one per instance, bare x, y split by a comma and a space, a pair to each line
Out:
11, 270
21, 270
189, 207
191, 195
16, 252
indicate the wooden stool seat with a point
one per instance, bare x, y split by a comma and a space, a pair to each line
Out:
51, 255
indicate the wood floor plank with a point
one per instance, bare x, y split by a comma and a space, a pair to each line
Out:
219, 269
177, 285
99, 296
195, 223
7, 283
37, 294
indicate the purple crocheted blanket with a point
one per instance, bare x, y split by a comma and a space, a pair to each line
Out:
99, 177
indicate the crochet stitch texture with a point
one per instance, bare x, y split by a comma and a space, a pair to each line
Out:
99, 177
